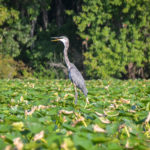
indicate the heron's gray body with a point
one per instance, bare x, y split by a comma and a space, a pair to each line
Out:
77, 78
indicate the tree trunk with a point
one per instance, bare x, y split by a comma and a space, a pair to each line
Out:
59, 13
45, 18
33, 23
131, 70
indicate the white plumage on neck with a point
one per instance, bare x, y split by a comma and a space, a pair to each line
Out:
65, 41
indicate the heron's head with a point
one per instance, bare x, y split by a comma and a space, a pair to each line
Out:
63, 39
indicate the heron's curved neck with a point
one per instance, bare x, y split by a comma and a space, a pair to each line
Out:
66, 47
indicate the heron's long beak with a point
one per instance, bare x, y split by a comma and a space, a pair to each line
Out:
54, 39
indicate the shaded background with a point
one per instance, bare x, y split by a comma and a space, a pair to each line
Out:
107, 38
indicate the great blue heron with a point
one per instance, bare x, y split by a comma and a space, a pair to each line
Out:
74, 74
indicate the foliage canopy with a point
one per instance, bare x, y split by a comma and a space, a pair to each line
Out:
114, 35
117, 34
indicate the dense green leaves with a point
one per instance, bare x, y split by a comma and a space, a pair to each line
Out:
113, 31
14, 35
40, 114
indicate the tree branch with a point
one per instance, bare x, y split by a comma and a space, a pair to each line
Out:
59, 65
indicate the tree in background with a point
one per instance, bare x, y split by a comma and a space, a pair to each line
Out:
14, 38
117, 35
13, 35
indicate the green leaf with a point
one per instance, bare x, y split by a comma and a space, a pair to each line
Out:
82, 142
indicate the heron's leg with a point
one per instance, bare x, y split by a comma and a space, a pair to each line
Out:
76, 94
87, 102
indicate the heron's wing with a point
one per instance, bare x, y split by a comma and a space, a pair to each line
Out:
75, 75
77, 78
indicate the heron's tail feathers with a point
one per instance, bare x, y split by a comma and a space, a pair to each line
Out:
85, 91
